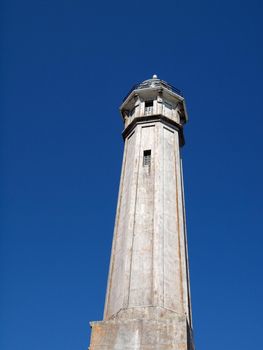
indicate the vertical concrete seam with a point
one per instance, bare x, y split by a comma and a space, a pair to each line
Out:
178, 225
116, 231
186, 248
134, 217
163, 155
153, 201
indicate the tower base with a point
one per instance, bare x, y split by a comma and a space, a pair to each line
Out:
141, 334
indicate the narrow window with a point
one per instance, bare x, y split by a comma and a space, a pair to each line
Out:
148, 107
147, 157
168, 105
132, 112
148, 103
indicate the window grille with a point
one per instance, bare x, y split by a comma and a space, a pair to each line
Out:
147, 157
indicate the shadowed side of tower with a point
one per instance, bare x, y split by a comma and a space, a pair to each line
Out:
148, 303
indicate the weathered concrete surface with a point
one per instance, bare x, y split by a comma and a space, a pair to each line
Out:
147, 304
140, 334
149, 258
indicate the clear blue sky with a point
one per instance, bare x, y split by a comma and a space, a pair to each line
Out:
65, 67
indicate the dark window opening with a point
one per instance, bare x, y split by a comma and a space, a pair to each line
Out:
148, 107
147, 157
148, 103
168, 105
132, 111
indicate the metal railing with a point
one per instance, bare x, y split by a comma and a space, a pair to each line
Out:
154, 83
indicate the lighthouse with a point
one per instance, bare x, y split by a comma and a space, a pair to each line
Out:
147, 304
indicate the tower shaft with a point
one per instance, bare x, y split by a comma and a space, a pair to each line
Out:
149, 262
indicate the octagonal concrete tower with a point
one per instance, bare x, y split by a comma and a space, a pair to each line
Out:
147, 303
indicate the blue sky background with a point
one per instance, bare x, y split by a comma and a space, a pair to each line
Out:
65, 67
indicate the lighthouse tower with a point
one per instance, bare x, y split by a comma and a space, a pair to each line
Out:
147, 304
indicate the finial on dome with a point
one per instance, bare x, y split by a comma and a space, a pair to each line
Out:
155, 76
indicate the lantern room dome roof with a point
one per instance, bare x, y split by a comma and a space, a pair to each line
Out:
154, 82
